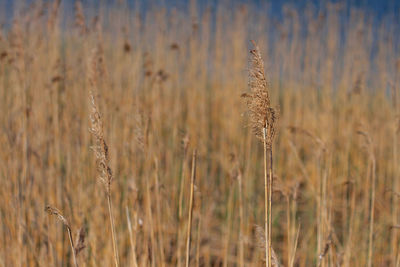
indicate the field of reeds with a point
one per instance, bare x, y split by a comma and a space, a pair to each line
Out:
132, 136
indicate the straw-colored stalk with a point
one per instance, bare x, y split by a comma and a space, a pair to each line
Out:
372, 178
105, 174
158, 209
189, 229
185, 143
53, 211
268, 196
263, 119
229, 226
198, 245
131, 238
241, 225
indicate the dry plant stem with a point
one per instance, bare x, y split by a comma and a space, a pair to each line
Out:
320, 213
395, 209
198, 243
192, 180
349, 245
150, 216
270, 209
267, 261
132, 239
229, 226
291, 260
53, 211
101, 152
372, 211
267, 192
180, 208
289, 236
158, 220
241, 248
114, 240
71, 242
198, 237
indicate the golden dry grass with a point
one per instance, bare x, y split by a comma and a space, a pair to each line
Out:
169, 82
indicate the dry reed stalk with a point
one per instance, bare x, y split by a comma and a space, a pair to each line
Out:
235, 174
290, 195
151, 223
189, 229
158, 209
53, 211
372, 171
198, 245
293, 250
395, 209
198, 242
185, 143
349, 242
263, 119
229, 226
241, 225
131, 238
101, 151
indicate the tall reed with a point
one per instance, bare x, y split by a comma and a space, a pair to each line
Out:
263, 119
189, 228
100, 149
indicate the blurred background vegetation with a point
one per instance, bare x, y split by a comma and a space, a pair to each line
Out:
169, 78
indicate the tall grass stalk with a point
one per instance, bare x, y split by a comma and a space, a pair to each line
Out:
263, 119
189, 228
101, 151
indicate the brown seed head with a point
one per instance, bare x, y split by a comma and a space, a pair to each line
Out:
53, 211
262, 115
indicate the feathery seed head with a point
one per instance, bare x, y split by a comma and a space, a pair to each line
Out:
262, 115
53, 211
100, 147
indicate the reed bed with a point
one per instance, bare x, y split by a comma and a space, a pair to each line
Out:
145, 87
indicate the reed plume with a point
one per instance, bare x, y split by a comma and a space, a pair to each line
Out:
263, 119
100, 149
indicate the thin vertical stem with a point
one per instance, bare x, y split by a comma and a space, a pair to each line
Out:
158, 215
71, 242
132, 240
270, 210
266, 198
180, 210
198, 238
150, 218
395, 210
114, 240
241, 248
192, 180
371, 218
